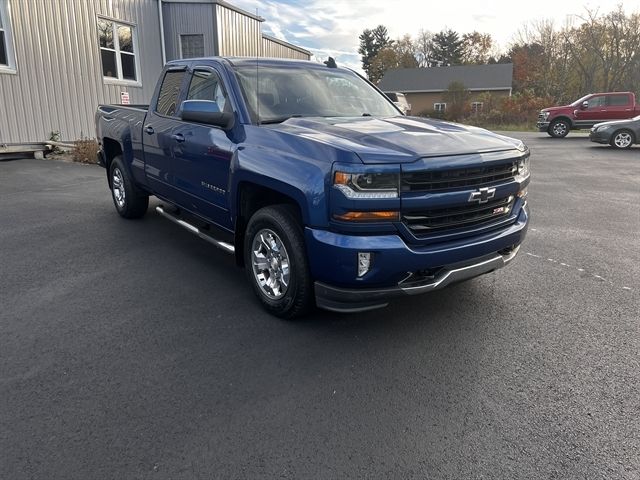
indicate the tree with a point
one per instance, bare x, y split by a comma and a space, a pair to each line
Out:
606, 48
528, 67
422, 47
400, 54
476, 48
371, 42
447, 48
457, 98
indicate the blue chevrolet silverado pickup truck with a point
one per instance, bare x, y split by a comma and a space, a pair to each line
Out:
324, 192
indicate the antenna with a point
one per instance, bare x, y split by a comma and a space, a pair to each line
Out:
259, 40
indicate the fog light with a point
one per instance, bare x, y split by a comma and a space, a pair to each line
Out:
364, 263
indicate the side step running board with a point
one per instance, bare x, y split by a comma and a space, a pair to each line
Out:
196, 231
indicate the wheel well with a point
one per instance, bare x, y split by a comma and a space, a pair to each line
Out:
567, 119
111, 150
251, 198
633, 135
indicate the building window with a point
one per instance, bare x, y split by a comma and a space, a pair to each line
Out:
118, 50
440, 107
7, 59
191, 46
476, 107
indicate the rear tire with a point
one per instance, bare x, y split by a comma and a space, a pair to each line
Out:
276, 262
129, 200
622, 139
559, 128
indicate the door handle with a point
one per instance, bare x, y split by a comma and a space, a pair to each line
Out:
178, 137
149, 129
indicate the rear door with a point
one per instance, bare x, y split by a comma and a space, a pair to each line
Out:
202, 153
157, 132
619, 106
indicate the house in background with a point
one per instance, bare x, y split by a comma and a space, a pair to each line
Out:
425, 88
60, 58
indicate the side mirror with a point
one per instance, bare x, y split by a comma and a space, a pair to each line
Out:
585, 104
207, 112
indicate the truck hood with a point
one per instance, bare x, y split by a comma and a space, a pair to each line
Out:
396, 139
559, 109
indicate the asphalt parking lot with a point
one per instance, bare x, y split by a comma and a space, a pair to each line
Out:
132, 349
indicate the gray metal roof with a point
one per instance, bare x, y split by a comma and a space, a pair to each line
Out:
437, 79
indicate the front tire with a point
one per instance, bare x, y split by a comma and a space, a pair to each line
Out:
559, 128
129, 200
276, 262
622, 139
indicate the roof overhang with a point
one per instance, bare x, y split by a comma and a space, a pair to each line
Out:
219, 2
286, 44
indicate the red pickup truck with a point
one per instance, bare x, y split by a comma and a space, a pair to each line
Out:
587, 111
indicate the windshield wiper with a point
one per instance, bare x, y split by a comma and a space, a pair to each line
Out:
279, 119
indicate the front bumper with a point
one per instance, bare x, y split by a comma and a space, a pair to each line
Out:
601, 136
358, 300
543, 126
399, 269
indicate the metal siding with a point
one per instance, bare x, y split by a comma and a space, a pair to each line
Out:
59, 81
238, 34
277, 50
188, 18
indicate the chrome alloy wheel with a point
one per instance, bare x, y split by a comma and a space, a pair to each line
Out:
622, 139
117, 185
270, 264
559, 129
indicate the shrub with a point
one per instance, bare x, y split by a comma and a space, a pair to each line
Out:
85, 150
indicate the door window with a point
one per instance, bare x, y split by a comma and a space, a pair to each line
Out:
618, 100
169, 90
597, 102
206, 85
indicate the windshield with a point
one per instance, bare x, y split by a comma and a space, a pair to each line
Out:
580, 100
282, 93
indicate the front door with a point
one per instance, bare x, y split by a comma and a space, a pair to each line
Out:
202, 153
595, 112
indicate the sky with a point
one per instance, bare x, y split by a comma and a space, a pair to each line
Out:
331, 28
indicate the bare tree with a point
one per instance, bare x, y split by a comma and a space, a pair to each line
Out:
476, 48
423, 48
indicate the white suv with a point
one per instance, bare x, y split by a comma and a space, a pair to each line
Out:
400, 101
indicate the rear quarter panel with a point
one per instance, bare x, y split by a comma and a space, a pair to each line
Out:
124, 126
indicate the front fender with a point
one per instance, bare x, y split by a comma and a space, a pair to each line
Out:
302, 179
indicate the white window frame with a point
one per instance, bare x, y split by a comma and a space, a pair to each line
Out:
440, 107
477, 107
116, 49
5, 16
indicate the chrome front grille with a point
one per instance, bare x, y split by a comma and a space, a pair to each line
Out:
470, 177
453, 218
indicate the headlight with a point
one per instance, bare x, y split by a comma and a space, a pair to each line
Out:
523, 167
367, 185
521, 146
545, 115
603, 127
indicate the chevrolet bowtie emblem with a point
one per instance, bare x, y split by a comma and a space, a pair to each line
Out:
483, 195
